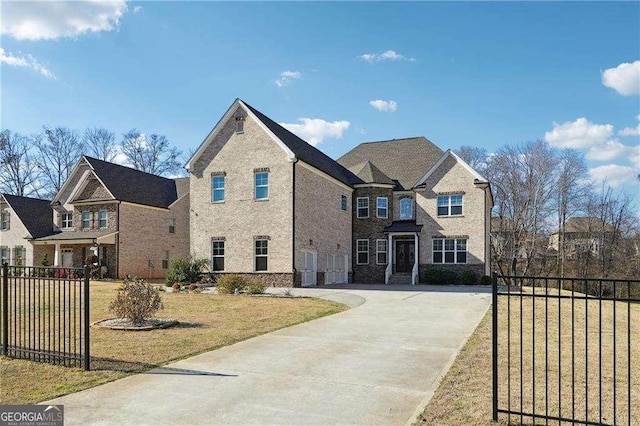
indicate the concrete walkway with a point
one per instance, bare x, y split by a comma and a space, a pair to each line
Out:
377, 363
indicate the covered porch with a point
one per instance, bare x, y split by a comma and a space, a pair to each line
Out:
402, 248
71, 249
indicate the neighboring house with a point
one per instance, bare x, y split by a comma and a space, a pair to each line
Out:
135, 222
582, 236
265, 202
21, 220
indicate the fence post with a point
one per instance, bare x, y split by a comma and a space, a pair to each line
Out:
87, 355
494, 342
5, 308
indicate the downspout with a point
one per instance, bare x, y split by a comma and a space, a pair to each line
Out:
293, 221
117, 275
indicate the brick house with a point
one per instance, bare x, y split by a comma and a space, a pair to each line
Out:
135, 222
22, 219
264, 202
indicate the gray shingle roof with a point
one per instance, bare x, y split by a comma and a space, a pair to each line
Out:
405, 160
307, 153
134, 186
75, 235
403, 226
369, 173
34, 213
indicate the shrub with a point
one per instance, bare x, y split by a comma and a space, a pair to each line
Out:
193, 287
185, 270
440, 276
137, 301
485, 280
176, 286
256, 286
227, 284
469, 278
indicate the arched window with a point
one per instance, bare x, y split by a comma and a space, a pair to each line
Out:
406, 208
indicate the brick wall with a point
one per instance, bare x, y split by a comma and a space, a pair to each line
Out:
241, 218
371, 229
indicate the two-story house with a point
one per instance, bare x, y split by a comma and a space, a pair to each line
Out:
419, 208
265, 202
22, 219
583, 237
135, 222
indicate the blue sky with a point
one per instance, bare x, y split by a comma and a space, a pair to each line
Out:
483, 74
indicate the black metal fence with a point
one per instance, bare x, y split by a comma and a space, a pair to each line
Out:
566, 350
45, 314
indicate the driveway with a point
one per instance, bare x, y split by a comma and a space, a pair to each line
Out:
377, 363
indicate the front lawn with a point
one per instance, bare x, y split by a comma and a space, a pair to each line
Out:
207, 321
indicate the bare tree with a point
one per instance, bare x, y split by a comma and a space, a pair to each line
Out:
151, 153
58, 151
474, 156
571, 189
19, 172
522, 179
101, 143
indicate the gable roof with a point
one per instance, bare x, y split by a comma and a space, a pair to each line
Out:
369, 173
34, 213
404, 160
134, 186
294, 146
477, 176
586, 224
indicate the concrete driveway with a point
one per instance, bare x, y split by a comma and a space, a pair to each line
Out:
377, 363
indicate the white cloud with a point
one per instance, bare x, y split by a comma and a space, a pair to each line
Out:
137, 9
607, 151
578, 134
389, 55
287, 76
624, 79
314, 130
46, 20
615, 175
385, 106
26, 61
631, 131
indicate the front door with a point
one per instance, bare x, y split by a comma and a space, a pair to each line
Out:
67, 258
405, 256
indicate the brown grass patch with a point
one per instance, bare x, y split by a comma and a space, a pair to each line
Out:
207, 321
465, 394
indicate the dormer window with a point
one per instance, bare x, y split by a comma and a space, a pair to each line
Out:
67, 220
239, 124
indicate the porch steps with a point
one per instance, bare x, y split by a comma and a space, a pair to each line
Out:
400, 279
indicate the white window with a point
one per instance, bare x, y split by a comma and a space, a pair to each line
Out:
4, 221
67, 220
19, 254
362, 207
362, 252
172, 226
4, 255
217, 255
382, 207
262, 250
450, 205
343, 203
86, 220
217, 188
406, 208
102, 218
262, 185
381, 252
450, 250
165, 259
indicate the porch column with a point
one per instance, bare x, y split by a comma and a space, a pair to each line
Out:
389, 271
416, 262
56, 255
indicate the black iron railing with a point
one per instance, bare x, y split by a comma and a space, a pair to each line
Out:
562, 350
45, 314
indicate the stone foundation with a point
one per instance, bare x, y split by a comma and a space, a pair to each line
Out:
272, 279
